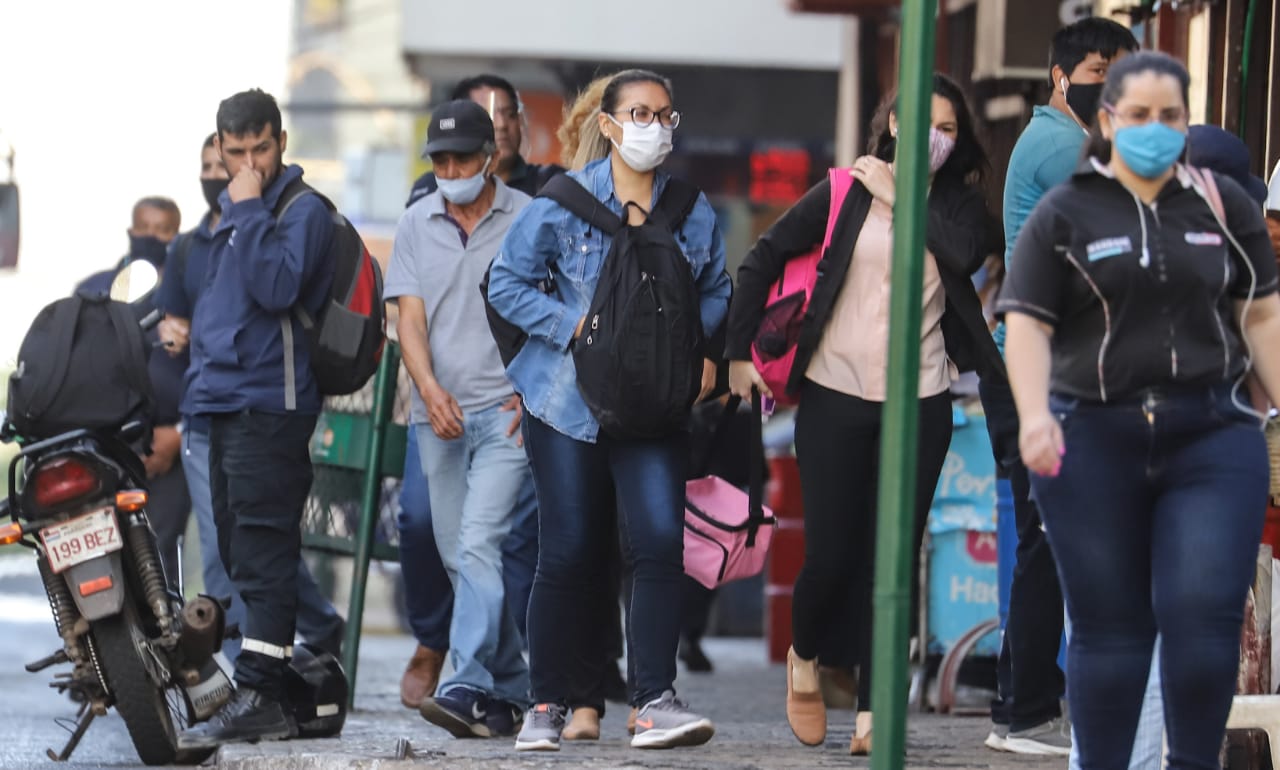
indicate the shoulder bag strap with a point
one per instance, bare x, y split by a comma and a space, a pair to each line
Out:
579, 201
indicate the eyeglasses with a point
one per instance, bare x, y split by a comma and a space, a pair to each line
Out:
1136, 116
643, 116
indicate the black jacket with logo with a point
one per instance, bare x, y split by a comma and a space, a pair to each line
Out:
955, 235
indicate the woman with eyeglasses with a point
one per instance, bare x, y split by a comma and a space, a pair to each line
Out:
1135, 301
839, 377
576, 466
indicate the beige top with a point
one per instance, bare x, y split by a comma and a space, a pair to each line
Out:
853, 356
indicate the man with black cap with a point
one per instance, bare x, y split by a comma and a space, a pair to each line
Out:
465, 414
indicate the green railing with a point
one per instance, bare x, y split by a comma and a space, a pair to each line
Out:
358, 455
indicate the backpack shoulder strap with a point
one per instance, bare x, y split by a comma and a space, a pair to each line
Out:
841, 182
292, 192
676, 203
568, 192
181, 250
65, 316
123, 319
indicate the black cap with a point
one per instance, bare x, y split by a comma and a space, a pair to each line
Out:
458, 126
1214, 148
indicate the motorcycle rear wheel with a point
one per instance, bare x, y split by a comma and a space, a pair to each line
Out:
154, 715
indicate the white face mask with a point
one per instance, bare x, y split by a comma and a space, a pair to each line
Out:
643, 148
465, 190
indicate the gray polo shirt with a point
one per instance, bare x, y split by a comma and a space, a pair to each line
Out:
434, 260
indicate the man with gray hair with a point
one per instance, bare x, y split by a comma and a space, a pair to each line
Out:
465, 414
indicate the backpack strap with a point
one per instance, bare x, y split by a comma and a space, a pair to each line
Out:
578, 200
288, 196
65, 317
181, 250
676, 203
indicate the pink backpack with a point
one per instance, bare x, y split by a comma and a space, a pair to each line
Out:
774, 349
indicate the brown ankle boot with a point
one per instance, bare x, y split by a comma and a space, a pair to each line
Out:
584, 725
421, 677
805, 711
860, 743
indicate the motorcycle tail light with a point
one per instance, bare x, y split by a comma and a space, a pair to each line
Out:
63, 480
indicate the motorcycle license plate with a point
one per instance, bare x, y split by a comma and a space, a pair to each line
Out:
81, 539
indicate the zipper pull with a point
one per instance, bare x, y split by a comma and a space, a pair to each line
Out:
1145, 259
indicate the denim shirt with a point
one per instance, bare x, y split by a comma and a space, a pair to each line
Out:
544, 238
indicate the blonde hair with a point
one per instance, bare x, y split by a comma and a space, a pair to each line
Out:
580, 139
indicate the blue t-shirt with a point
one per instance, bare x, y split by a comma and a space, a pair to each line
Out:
1045, 156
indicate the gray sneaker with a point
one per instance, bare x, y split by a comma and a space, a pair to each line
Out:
666, 722
542, 727
1052, 738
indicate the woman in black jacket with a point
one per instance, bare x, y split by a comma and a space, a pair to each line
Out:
839, 375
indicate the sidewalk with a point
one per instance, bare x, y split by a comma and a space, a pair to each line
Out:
744, 697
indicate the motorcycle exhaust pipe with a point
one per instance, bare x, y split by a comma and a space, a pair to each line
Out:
203, 626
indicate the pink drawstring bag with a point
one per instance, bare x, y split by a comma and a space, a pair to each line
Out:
727, 531
774, 349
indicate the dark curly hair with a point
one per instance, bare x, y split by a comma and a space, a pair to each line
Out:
968, 161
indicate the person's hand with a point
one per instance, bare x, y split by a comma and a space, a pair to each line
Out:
577, 331
175, 333
1040, 440
514, 404
246, 184
743, 376
443, 411
166, 442
708, 379
876, 176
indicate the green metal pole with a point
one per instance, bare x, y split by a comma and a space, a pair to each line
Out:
1245, 55
896, 515
384, 389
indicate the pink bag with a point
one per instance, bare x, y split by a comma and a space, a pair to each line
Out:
774, 349
727, 531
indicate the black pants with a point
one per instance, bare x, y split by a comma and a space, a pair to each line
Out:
168, 510
260, 474
1031, 683
838, 452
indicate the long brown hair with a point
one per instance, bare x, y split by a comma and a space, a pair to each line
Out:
968, 161
580, 137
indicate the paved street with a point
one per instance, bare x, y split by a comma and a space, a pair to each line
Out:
744, 697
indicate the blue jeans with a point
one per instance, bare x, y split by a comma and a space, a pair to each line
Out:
1148, 742
428, 593
480, 485
1155, 520
576, 482
317, 620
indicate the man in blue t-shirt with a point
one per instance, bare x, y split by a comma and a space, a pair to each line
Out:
1027, 714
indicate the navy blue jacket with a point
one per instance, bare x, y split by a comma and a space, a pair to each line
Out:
258, 271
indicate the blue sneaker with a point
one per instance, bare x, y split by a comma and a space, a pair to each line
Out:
504, 720
462, 711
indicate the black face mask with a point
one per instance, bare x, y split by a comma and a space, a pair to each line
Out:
212, 189
1083, 100
148, 247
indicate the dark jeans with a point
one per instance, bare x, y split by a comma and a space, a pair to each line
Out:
575, 482
1155, 520
428, 593
1031, 683
838, 451
260, 474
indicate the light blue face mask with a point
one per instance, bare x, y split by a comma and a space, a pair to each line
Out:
1150, 149
465, 190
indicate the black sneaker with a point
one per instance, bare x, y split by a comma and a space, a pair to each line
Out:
504, 719
613, 685
461, 710
248, 717
694, 659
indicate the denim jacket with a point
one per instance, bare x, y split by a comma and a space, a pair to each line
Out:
547, 238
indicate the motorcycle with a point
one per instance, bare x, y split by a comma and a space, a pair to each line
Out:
79, 501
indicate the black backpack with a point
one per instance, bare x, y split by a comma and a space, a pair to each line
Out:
83, 364
639, 358
347, 337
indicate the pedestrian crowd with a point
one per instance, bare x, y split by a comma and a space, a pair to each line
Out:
558, 399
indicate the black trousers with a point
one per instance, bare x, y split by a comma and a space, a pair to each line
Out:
168, 510
838, 452
1031, 683
260, 474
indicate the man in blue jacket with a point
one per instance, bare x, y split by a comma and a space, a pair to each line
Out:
251, 375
